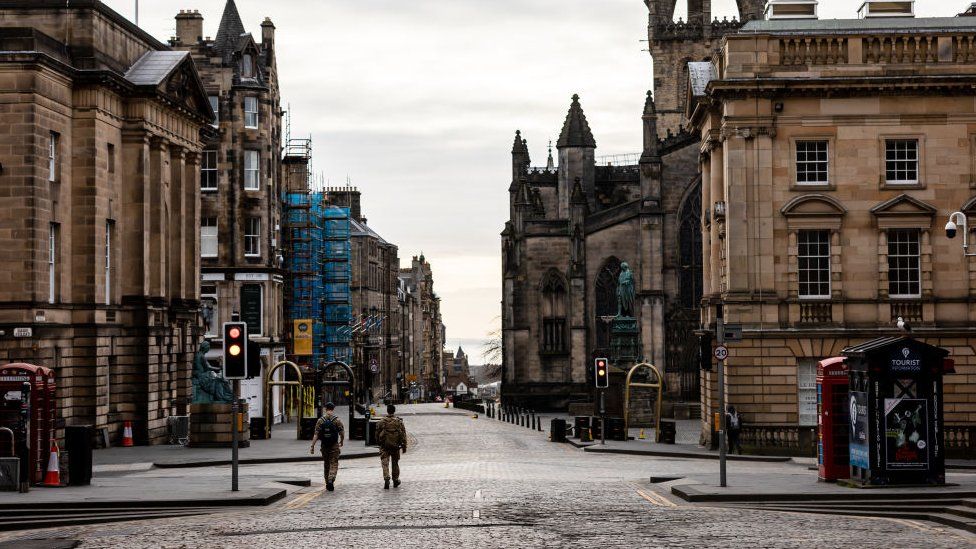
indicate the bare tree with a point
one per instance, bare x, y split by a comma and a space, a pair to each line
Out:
491, 353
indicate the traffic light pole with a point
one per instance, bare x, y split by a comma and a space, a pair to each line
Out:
603, 420
235, 408
720, 337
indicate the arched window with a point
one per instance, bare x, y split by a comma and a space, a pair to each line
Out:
606, 300
554, 295
690, 250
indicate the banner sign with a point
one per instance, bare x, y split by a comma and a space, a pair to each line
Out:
906, 434
302, 337
859, 451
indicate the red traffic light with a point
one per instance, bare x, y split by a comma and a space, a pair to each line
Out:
235, 333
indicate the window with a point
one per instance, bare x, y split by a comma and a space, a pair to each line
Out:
111, 158
811, 162
252, 237
109, 229
208, 171
250, 112
252, 171
901, 161
208, 237
208, 308
52, 157
904, 265
52, 266
813, 263
215, 105
553, 314
806, 389
247, 66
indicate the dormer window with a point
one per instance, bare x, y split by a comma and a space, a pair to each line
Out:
247, 66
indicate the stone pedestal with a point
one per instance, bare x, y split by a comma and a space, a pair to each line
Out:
624, 337
210, 426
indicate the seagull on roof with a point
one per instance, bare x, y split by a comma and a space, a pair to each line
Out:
903, 326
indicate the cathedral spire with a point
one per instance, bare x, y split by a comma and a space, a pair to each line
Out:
650, 153
576, 131
230, 30
550, 165
520, 146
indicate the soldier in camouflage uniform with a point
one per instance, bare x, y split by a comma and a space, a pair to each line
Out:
392, 437
330, 431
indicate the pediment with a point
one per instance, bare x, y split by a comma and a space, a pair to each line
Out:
184, 85
903, 205
813, 205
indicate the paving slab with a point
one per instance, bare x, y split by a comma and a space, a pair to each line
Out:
802, 485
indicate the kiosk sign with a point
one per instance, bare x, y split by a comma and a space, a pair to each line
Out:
906, 433
859, 450
905, 361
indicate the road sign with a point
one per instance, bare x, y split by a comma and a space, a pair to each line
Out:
23, 332
721, 352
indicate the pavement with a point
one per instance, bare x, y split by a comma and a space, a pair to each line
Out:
488, 484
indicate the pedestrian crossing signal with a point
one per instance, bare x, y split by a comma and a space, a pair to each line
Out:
235, 355
601, 373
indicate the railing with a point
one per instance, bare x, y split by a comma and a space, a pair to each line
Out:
909, 311
964, 49
812, 51
626, 159
816, 312
900, 49
788, 439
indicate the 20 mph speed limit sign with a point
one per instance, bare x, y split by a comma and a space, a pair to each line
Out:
721, 352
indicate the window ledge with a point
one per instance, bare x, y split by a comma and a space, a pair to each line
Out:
906, 185
800, 187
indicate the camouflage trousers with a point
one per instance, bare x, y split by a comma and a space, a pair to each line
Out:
330, 458
386, 456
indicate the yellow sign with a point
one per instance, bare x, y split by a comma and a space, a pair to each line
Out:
302, 337
411, 378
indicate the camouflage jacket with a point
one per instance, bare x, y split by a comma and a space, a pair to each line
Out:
391, 433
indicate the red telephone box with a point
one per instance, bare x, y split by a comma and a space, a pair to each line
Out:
42, 412
832, 449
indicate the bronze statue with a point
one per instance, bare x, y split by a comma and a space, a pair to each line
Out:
625, 292
208, 386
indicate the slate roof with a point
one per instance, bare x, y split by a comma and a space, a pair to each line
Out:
882, 25
576, 130
153, 67
230, 31
360, 229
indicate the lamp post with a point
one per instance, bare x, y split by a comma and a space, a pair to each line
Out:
957, 220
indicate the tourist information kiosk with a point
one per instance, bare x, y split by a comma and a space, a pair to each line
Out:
895, 412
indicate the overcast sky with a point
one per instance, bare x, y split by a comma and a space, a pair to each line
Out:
418, 102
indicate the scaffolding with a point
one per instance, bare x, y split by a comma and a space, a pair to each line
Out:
317, 260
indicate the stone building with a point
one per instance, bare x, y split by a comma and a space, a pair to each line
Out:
375, 268
100, 138
240, 211
457, 373
832, 153
571, 227
423, 358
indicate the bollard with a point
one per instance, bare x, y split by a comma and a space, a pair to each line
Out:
540, 425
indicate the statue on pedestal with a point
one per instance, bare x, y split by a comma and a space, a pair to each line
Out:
208, 386
625, 292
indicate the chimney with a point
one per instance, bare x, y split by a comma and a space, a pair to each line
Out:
970, 11
791, 9
267, 33
189, 27
873, 9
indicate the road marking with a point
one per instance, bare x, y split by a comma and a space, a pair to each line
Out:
476, 514
304, 499
656, 499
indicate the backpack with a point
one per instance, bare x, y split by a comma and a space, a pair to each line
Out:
387, 434
328, 432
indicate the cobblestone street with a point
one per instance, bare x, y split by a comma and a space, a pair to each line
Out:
481, 483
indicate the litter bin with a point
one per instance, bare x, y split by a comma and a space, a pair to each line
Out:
258, 430
557, 430
666, 434
308, 428
78, 442
615, 429
371, 433
580, 424
357, 428
595, 427
895, 412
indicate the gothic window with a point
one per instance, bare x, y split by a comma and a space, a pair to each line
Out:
606, 300
554, 333
690, 251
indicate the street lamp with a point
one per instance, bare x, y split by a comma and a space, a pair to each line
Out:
956, 220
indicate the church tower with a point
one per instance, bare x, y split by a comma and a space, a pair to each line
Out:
577, 160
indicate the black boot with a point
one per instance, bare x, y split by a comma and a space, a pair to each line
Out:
396, 482
386, 484
329, 486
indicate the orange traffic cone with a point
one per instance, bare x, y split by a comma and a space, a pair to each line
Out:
641, 436
127, 434
53, 475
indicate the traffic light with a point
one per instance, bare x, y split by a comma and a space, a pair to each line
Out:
600, 373
235, 350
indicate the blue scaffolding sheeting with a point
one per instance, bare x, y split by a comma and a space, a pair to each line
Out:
317, 260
